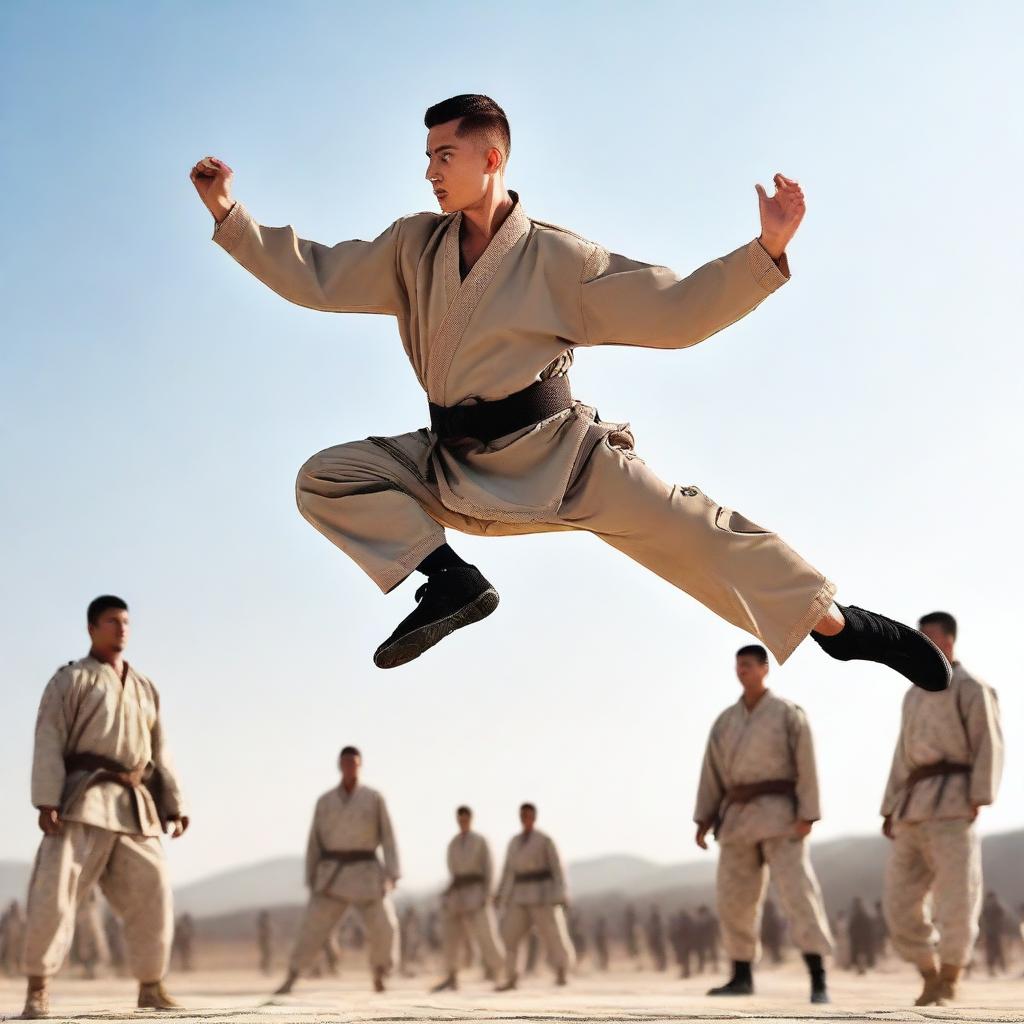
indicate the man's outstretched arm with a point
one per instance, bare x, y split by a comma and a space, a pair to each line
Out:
625, 302
350, 277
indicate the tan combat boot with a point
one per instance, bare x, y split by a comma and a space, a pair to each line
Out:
930, 993
949, 978
378, 979
287, 985
153, 996
37, 999
510, 985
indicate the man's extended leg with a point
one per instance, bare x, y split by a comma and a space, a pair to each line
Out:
372, 499
741, 882
744, 573
136, 886
908, 879
790, 866
321, 918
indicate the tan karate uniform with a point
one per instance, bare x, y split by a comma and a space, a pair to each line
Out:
111, 833
468, 915
771, 742
534, 904
536, 294
349, 822
935, 851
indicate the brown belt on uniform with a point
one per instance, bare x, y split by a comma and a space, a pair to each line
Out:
107, 770
462, 881
931, 771
744, 792
487, 421
747, 791
533, 876
344, 857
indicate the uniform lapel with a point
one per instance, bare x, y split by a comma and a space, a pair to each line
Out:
465, 295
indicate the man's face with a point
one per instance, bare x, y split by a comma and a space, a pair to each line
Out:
350, 765
465, 821
528, 818
750, 671
109, 633
940, 638
458, 169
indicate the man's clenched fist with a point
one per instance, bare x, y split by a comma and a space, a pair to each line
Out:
212, 179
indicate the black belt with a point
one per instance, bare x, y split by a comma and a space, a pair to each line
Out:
534, 876
487, 421
461, 881
347, 856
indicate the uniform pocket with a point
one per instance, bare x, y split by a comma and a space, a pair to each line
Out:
730, 521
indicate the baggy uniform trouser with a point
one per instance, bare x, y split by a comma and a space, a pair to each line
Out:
480, 928
324, 914
941, 859
377, 501
549, 922
130, 871
743, 872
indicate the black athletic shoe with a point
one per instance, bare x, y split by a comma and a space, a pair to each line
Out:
868, 636
735, 987
450, 599
820, 995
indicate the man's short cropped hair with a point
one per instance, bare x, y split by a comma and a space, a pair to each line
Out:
527, 807
350, 752
480, 116
943, 620
755, 651
463, 810
103, 604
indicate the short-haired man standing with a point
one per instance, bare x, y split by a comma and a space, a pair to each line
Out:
467, 912
533, 894
947, 764
759, 792
350, 823
105, 790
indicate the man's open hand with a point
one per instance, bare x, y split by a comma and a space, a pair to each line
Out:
780, 214
701, 838
212, 179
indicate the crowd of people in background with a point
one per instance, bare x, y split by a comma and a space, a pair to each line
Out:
683, 940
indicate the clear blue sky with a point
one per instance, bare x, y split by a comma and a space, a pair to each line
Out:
156, 402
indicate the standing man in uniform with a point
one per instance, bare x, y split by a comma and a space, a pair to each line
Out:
105, 789
947, 765
350, 823
466, 904
993, 930
533, 894
759, 793
491, 306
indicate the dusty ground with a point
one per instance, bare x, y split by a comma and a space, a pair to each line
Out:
240, 996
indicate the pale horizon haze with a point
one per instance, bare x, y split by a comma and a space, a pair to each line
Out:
156, 401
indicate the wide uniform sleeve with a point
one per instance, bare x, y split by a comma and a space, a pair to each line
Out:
808, 806
560, 893
505, 885
985, 735
350, 277
172, 805
387, 842
50, 742
313, 848
626, 302
899, 771
710, 788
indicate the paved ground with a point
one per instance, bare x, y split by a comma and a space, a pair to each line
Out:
239, 997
